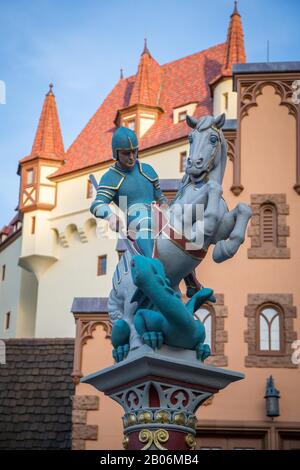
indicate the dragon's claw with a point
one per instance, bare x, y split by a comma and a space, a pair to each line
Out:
153, 339
120, 353
203, 351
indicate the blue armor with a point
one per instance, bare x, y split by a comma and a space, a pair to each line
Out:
123, 139
133, 190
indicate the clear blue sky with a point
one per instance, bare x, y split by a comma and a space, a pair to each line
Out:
80, 45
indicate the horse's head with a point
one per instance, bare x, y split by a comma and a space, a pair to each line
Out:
208, 148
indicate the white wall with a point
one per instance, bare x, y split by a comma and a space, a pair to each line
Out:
225, 86
10, 287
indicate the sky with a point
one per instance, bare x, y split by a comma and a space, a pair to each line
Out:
80, 46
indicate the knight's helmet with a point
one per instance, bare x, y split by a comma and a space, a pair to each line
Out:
123, 139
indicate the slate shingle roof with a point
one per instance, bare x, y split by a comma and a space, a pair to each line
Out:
35, 394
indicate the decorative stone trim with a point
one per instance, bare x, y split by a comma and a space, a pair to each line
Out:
81, 431
220, 336
258, 249
86, 324
274, 359
231, 138
249, 87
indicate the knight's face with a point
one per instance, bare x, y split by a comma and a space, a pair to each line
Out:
127, 158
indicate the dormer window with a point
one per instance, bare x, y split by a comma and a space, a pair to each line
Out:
131, 124
3, 237
180, 113
182, 116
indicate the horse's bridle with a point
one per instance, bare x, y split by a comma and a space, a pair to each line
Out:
213, 156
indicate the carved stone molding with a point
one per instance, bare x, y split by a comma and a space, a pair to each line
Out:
283, 358
258, 248
231, 138
249, 89
220, 336
231, 147
86, 324
63, 239
82, 235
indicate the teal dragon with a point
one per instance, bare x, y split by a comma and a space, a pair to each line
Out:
161, 317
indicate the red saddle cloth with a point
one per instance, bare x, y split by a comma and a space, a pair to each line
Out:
161, 225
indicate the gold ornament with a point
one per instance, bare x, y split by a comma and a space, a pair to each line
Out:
162, 417
179, 418
146, 437
145, 417
190, 441
158, 437
132, 420
125, 442
192, 422
161, 436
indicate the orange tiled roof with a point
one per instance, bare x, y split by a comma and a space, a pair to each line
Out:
48, 142
147, 82
9, 229
181, 81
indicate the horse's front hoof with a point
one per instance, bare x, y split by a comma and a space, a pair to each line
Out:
221, 252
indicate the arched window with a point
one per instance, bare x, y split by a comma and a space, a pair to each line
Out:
205, 315
270, 329
268, 224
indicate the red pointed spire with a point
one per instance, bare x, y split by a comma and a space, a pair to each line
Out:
235, 47
147, 82
146, 50
48, 142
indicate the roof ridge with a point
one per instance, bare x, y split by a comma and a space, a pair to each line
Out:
130, 77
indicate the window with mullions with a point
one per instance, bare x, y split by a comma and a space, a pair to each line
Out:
205, 315
270, 329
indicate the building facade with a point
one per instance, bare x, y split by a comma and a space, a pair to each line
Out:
53, 251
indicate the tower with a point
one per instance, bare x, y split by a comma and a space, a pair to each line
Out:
47, 154
225, 100
143, 109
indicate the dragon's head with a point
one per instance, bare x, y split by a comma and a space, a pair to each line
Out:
143, 270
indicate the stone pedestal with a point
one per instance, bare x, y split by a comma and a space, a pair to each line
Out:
160, 393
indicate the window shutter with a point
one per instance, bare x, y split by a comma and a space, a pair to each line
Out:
269, 225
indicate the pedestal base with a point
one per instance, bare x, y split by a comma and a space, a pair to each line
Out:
160, 393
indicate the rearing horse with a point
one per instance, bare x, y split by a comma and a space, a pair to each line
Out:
201, 184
